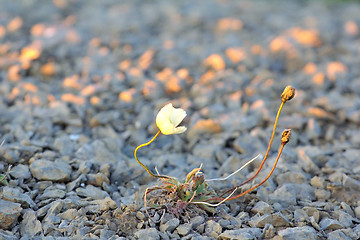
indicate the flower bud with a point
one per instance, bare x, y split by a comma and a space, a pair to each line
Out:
285, 138
288, 93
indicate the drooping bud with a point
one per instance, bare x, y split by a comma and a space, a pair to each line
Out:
285, 138
288, 93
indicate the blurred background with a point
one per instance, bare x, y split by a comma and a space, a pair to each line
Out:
82, 81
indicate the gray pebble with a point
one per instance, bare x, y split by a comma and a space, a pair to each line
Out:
64, 145
52, 193
300, 215
298, 233
97, 179
149, 233
279, 220
260, 220
337, 235
9, 213
184, 229
68, 214
51, 171
30, 225
262, 208
7, 235
290, 192
330, 224
15, 195
241, 234
20, 171
91, 192
196, 221
212, 229
170, 225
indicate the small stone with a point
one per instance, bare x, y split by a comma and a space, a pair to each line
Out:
9, 213
170, 225
106, 234
317, 182
7, 235
97, 179
241, 234
279, 220
69, 214
149, 233
262, 208
330, 224
298, 233
260, 220
91, 192
322, 194
212, 229
15, 195
20, 171
290, 192
347, 208
345, 219
140, 215
311, 211
196, 221
300, 215
51, 171
104, 204
357, 212
184, 229
30, 225
52, 193
290, 177
64, 145
337, 235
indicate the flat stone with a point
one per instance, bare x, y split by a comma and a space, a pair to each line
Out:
104, 204
184, 229
9, 213
330, 224
260, 220
15, 195
51, 171
290, 192
69, 214
212, 228
20, 171
30, 225
196, 221
91, 192
97, 179
170, 225
262, 208
279, 220
241, 234
337, 235
7, 235
149, 233
298, 233
52, 193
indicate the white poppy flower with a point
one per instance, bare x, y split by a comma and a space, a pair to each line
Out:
169, 118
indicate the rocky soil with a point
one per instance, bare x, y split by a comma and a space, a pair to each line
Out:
82, 81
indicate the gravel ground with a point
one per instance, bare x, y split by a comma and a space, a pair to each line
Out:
82, 81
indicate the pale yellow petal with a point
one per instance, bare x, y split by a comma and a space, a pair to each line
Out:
177, 116
179, 130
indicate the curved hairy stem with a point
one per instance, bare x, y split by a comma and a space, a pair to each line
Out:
263, 181
265, 156
143, 145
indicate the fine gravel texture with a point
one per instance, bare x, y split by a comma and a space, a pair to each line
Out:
81, 83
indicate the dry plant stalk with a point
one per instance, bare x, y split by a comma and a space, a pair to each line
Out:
177, 196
